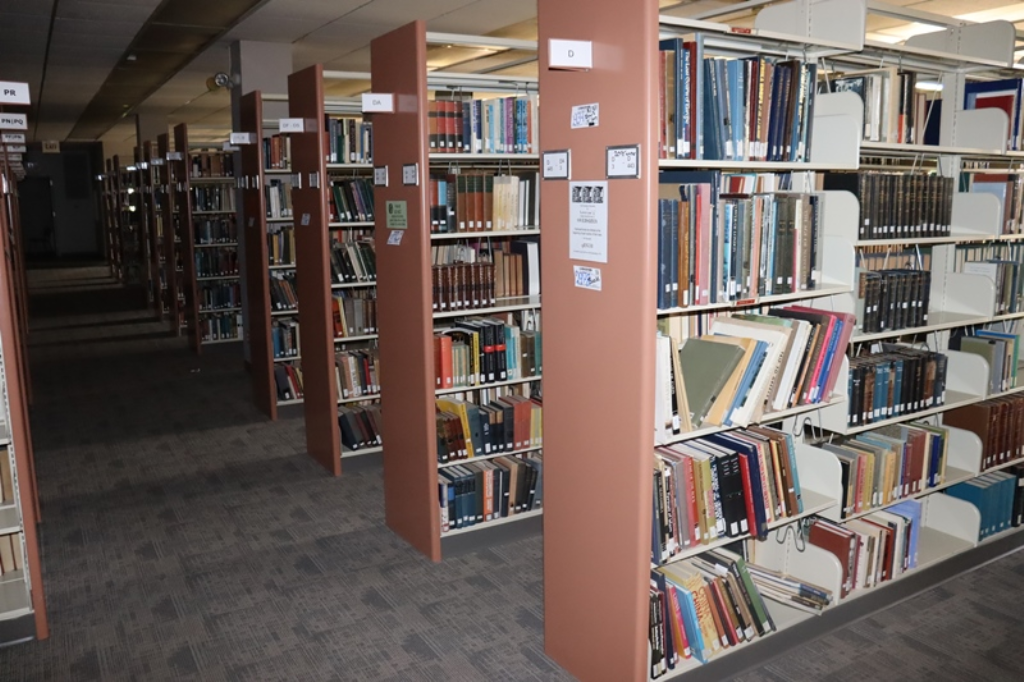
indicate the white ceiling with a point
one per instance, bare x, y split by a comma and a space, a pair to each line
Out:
90, 36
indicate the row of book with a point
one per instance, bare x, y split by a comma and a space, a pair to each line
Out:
1005, 94
748, 366
890, 463
702, 607
12, 555
354, 312
212, 165
895, 382
998, 423
1009, 190
873, 549
281, 246
516, 262
357, 373
282, 291
214, 296
220, 327
463, 286
725, 485
216, 262
277, 152
1001, 263
352, 201
361, 427
481, 351
498, 488
892, 299
751, 109
354, 262
219, 198
284, 337
216, 231
348, 140
481, 202
894, 111
6, 480
999, 497
501, 125
278, 197
1001, 351
715, 247
505, 424
288, 381
898, 205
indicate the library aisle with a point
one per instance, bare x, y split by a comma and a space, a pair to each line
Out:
185, 536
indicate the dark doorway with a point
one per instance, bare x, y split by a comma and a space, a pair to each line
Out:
37, 219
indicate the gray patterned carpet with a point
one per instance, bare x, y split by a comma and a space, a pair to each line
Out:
186, 537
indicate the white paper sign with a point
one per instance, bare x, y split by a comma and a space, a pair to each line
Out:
16, 148
380, 176
10, 157
291, 125
588, 221
395, 238
557, 165
305, 219
13, 138
378, 102
623, 162
14, 93
586, 277
243, 138
586, 115
570, 54
411, 174
9, 121
174, 156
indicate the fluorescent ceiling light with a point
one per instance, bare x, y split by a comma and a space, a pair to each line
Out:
929, 86
1012, 12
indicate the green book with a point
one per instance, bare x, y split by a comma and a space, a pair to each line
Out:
706, 367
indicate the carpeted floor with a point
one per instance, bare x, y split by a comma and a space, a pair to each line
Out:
184, 537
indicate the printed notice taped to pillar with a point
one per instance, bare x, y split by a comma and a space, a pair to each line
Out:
586, 115
395, 238
305, 219
586, 277
588, 221
397, 215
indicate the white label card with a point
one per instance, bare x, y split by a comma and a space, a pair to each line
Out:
570, 54
174, 156
395, 238
14, 93
586, 115
9, 121
587, 277
17, 148
252, 221
291, 125
623, 161
305, 219
243, 138
10, 157
557, 165
13, 138
411, 174
378, 102
380, 176
588, 221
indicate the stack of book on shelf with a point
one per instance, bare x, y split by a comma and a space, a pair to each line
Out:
787, 590
1006, 95
218, 198
1002, 264
355, 313
478, 492
478, 351
894, 382
348, 140
727, 237
468, 276
353, 262
725, 485
220, 327
219, 295
284, 334
1001, 351
288, 380
501, 125
892, 298
509, 423
357, 373
888, 464
998, 496
750, 109
704, 606
747, 367
282, 291
480, 201
277, 150
278, 196
360, 427
351, 201
998, 422
11, 554
1009, 189
216, 231
212, 165
898, 205
894, 111
281, 246
873, 549
216, 262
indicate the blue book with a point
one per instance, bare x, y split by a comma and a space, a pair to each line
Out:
748, 452
975, 94
723, 123
897, 408
749, 374
691, 623
673, 255
910, 509
736, 76
972, 492
675, 108
794, 470
663, 239
713, 147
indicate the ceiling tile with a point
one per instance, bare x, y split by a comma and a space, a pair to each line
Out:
325, 10
400, 12
484, 16
126, 11
273, 29
345, 35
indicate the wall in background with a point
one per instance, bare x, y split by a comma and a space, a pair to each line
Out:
77, 228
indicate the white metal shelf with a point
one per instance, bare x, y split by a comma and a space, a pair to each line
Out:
493, 455
359, 399
524, 232
214, 245
478, 387
469, 156
353, 339
937, 321
820, 292
484, 525
354, 285
346, 453
503, 305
